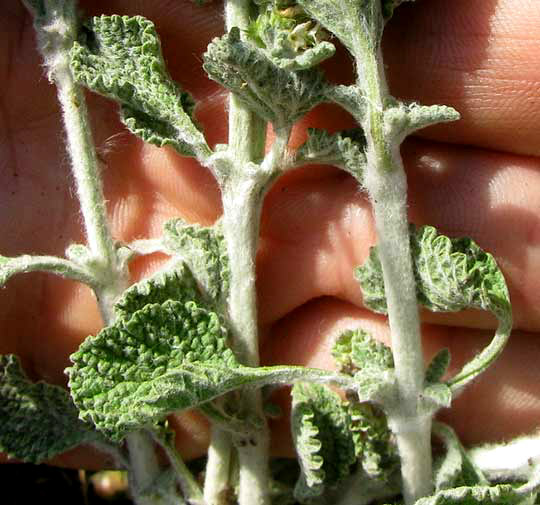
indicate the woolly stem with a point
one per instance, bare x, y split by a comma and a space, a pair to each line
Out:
386, 183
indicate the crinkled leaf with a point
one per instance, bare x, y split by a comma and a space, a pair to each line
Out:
502, 494
275, 94
344, 150
350, 97
176, 284
455, 468
452, 274
166, 358
120, 57
356, 350
372, 439
322, 437
205, 252
39, 420
402, 119
438, 366
290, 39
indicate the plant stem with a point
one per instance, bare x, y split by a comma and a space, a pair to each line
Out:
56, 30
386, 183
50, 264
112, 277
216, 481
241, 210
143, 467
242, 195
190, 488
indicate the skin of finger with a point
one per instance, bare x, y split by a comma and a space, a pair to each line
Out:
483, 58
502, 403
82, 301
317, 230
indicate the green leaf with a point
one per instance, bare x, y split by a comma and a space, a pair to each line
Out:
376, 385
204, 250
322, 438
176, 284
356, 350
275, 94
373, 441
438, 366
120, 57
455, 469
344, 150
166, 358
452, 274
400, 119
502, 494
351, 98
39, 420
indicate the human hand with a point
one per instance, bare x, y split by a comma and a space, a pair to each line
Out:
479, 177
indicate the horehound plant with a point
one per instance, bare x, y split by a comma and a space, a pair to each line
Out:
187, 337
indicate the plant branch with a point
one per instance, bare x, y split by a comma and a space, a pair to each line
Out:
49, 264
386, 183
190, 488
216, 481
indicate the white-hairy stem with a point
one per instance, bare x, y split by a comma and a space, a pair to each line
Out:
386, 183
241, 211
56, 30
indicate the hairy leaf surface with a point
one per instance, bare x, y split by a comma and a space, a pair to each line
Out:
401, 119
275, 94
39, 420
438, 366
167, 357
353, 22
120, 57
372, 441
205, 252
321, 427
451, 274
177, 284
356, 350
344, 150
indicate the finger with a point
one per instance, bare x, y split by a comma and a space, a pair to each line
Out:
503, 402
483, 58
315, 231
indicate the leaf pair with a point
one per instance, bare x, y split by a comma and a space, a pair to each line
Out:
331, 436
335, 438
451, 275
275, 94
